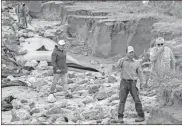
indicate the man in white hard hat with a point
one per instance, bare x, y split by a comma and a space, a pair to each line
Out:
60, 69
17, 11
162, 58
130, 71
23, 15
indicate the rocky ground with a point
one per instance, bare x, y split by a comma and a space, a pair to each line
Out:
95, 96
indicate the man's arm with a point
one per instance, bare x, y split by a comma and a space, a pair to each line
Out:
119, 64
26, 10
54, 57
140, 73
155, 54
173, 61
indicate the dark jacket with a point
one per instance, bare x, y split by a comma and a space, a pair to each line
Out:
59, 60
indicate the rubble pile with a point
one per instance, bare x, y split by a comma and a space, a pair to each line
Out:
168, 101
95, 99
95, 96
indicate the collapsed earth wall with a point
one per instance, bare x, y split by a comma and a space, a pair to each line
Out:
103, 35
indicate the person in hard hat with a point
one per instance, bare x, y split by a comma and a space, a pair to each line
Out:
60, 69
23, 15
162, 58
17, 11
130, 71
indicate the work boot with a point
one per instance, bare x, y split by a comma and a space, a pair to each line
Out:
115, 121
139, 119
120, 120
68, 95
51, 98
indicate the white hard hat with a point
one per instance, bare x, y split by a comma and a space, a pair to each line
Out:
61, 42
130, 49
160, 40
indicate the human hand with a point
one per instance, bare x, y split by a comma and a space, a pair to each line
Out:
58, 70
113, 67
161, 48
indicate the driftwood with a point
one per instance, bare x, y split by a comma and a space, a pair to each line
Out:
73, 65
6, 74
13, 83
10, 60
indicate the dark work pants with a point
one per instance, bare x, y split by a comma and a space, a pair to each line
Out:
125, 88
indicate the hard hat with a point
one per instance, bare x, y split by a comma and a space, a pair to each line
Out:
61, 42
160, 40
130, 49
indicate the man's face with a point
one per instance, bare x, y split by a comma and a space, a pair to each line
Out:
130, 54
159, 44
61, 47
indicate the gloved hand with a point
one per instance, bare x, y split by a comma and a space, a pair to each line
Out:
58, 70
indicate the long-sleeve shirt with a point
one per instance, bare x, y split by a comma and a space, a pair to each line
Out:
130, 69
59, 60
24, 11
162, 62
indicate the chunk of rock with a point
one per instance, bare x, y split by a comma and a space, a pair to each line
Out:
43, 65
17, 104
17, 122
70, 81
55, 110
24, 101
101, 95
32, 63
94, 89
94, 62
21, 114
88, 99
52, 119
102, 66
91, 114
60, 120
11, 78
62, 103
114, 97
98, 75
34, 121
30, 34
105, 121
32, 105
21, 39
112, 79
47, 73
82, 81
42, 119
44, 90
48, 34
71, 74
88, 73
35, 110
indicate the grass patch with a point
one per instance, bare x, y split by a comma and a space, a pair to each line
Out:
170, 90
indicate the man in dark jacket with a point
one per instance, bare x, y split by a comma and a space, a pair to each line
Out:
23, 15
17, 11
60, 69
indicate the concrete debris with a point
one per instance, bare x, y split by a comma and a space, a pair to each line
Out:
19, 115
21, 39
111, 79
43, 65
94, 89
94, 96
32, 63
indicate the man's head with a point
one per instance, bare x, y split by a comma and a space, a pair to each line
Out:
23, 4
61, 44
160, 42
130, 52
